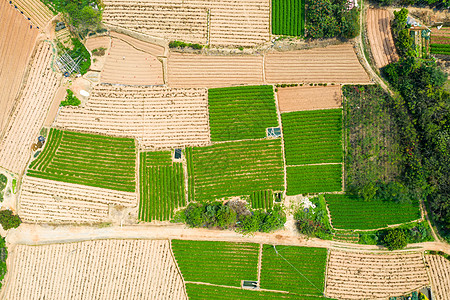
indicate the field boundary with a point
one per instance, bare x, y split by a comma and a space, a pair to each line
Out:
178, 267
237, 287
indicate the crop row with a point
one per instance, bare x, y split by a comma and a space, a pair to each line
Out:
262, 199
351, 212
440, 49
87, 159
288, 17
190, 174
237, 113
314, 179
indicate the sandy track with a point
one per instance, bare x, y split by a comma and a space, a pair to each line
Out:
231, 23
16, 45
440, 276
380, 37
309, 98
30, 113
333, 64
114, 269
48, 201
190, 70
126, 65
368, 276
39, 14
158, 117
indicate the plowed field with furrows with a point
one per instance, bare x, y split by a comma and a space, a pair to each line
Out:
440, 276
36, 10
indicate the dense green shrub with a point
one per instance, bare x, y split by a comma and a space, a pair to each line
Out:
70, 99
314, 221
79, 50
395, 239
416, 232
3, 257
8, 220
403, 40
178, 44
3, 182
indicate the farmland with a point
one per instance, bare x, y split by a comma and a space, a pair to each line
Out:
301, 98
30, 112
237, 168
262, 199
39, 14
280, 271
440, 49
353, 275
288, 17
309, 179
440, 41
351, 212
88, 159
238, 113
222, 262
440, 276
111, 269
48, 201
158, 117
313, 136
161, 186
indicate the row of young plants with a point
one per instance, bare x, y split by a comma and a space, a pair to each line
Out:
288, 17
311, 179
262, 199
440, 49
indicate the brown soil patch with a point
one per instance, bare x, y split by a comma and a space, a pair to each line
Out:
439, 269
53, 111
95, 43
309, 98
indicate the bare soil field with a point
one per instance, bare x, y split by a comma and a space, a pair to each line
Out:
39, 14
153, 49
99, 58
353, 275
440, 276
158, 117
333, 64
309, 98
380, 37
219, 22
30, 112
191, 70
102, 269
48, 201
16, 45
126, 65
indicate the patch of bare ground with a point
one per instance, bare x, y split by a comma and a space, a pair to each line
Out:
95, 44
309, 98
439, 269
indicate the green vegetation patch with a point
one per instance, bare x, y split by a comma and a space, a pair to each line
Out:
238, 113
221, 263
3, 257
313, 136
288, 17
352, 212
311, 179
299, 270
262, 199
314, 221
440, 49
9, 220
70, 100
161, 186
89, 159
237, 168
3, 182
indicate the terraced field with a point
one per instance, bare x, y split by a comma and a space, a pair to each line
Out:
440, 41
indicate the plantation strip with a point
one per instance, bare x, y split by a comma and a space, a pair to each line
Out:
351, 212
288, 17
262, 199
314, 179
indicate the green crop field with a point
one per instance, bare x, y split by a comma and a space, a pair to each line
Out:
161, 186
262, 199
311, 179
440, 49
238, 113
216, 262
202, 292
288, 17
89, 159
190, 171
298, 270
237, 168
350, 212
312, 137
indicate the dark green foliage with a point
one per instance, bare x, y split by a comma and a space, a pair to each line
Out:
89, 159
440, 49
313, 136
161, 186
310, 179
70, 99
178, 44
314, 222
395, 239
403, 40
8, 220
288, 17
352, 212
221, 263
237, 168
79, 50
331, 18
237, 113
3, 182
3, 257
416, 232
262, 199
283, 269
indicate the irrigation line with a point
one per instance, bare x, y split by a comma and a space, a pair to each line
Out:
274, 247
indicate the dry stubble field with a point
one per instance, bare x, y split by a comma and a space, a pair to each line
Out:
380, 37
440, 276
309, 98
101, 269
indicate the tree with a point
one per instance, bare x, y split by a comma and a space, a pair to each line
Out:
395, 239
8, 220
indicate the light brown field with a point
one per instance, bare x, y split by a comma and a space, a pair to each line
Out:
440, 276
49, 201
158, 117
309, 98
380, 37
155, 50
333, 64
31, 111
126, 65
39, 14
101, 269
191, 70
16, 45
222, 22
353, 275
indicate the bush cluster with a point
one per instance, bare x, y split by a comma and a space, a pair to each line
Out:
71, 99
314, 222
8, 220
178, 44
3, 182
